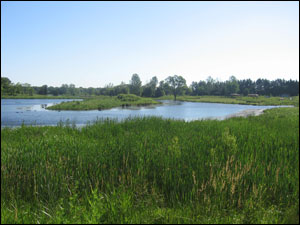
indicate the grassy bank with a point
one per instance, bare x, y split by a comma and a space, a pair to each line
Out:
261, 100
104, 102
153, 170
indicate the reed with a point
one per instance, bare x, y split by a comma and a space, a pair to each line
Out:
154, 170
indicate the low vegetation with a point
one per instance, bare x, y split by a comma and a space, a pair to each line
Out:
104, 102
260, 100
154, 170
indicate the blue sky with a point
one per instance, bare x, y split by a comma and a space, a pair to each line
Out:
91, 44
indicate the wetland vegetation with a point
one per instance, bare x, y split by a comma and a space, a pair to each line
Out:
105, 102
244, 100
154, 170
110, 113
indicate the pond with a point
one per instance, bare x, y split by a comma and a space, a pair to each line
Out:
15, 112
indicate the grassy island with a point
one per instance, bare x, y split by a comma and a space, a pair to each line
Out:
105, 102
154, 170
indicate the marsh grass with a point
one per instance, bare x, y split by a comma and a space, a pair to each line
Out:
154, 170
261, 100
104, 102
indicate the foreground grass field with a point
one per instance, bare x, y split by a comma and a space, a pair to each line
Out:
104, 102
261, 100
153, 170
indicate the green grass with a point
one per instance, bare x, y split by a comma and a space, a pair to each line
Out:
261, 100
154, 170
104, 102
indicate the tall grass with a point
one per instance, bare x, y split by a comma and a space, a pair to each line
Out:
154, 170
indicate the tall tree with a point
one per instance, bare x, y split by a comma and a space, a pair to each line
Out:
135, 85
232, 85
149, 88
72, 89
43, 90
5, 85
177, 83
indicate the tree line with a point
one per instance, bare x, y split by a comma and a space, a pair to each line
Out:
172, 85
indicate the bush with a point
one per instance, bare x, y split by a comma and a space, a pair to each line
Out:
128, 97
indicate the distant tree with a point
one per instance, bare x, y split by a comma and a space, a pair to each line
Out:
91, 91
109, 89
19, 89
5, 85
153, 82
293, 87
149, 88
194, 88
147, 91
43, 90
109, 85
53, 91
165, 87
177, 83
245, 91
72, 89
63, 90
219, 88
202, 88
135, 85
210, 82
168, 86
30, 91
5, 82
187, 90
121, 89
246, 87
26, 87
232, 86
159, 92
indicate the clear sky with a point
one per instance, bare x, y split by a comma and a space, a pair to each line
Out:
91, 44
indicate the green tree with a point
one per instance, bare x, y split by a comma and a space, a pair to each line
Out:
63, 89
19, 89
135, 85
121, 89
72, 89
149, 89
43, 90
177, 84
5, 85
159, 92
232, 86
165, 87
30, 91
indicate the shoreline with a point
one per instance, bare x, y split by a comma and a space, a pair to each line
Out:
253, 112
246, 113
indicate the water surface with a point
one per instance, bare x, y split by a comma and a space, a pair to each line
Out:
15, 112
